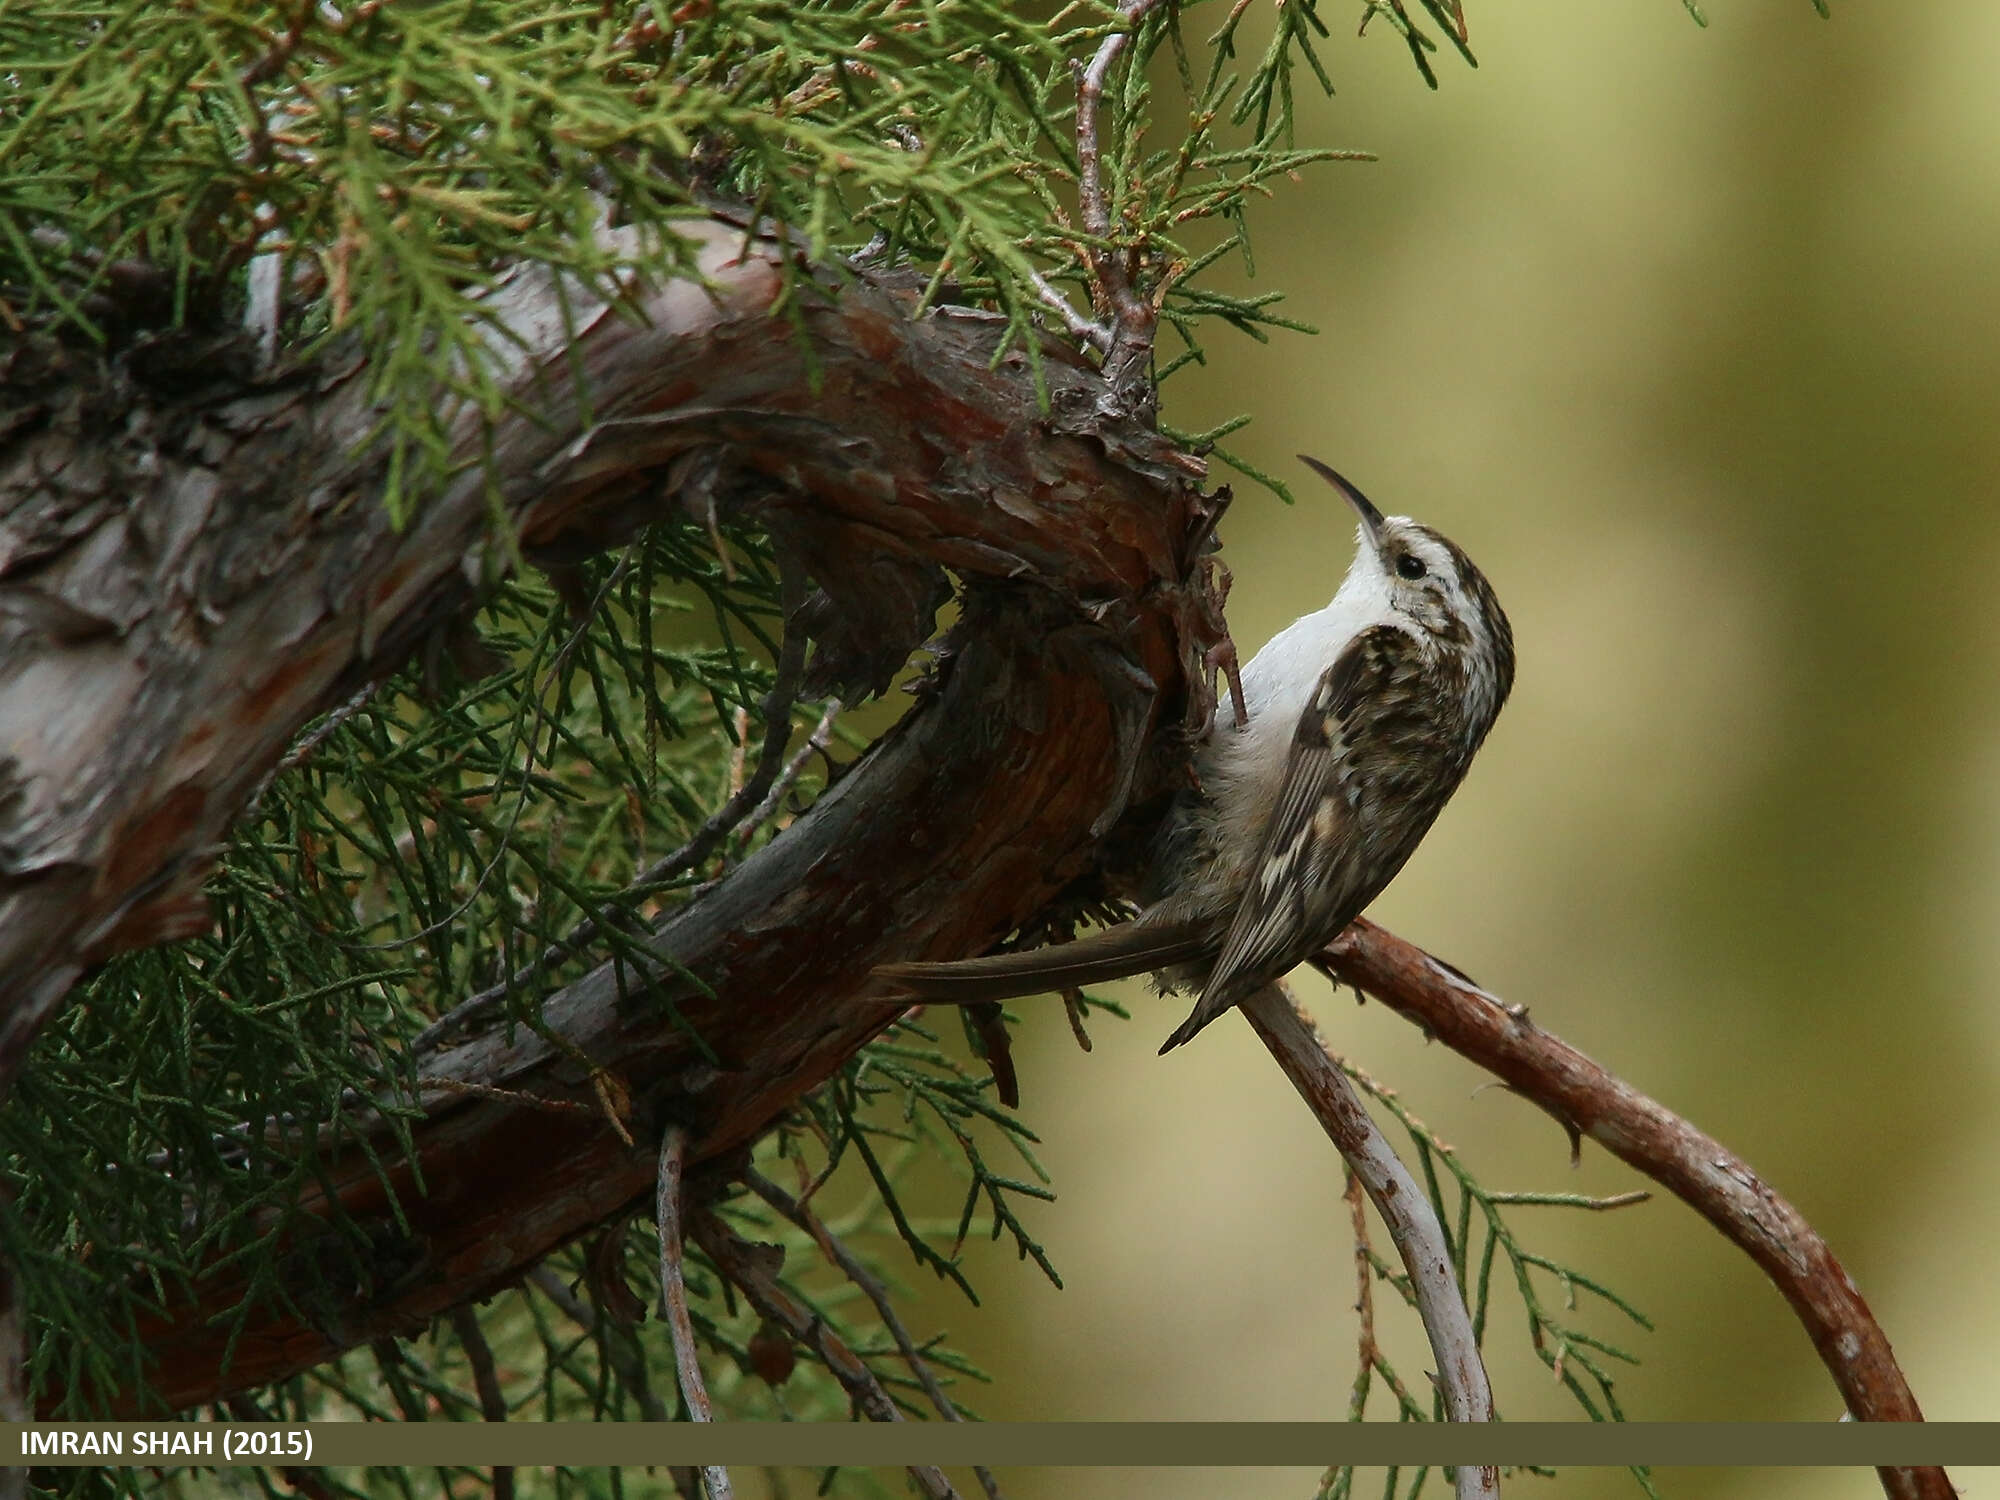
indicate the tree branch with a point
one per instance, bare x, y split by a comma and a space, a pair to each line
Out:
1420, 1240
1695, 1167
486, 1383
669, 1219
816, 744
203, 570
1367, 1353
1129, 348
1068, 524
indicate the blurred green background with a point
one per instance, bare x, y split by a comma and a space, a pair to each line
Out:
1691, 338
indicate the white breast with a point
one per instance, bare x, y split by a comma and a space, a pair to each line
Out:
1242, 770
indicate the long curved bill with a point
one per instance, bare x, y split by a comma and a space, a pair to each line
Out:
1371, 518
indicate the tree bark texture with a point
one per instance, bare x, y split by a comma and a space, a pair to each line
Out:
188, 576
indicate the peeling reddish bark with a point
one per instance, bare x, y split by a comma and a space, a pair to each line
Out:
900, 452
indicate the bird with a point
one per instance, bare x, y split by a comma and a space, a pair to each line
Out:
1360, 720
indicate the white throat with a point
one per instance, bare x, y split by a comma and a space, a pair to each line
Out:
1280, 677
1242, 769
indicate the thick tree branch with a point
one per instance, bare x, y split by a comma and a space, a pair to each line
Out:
204, 601
187, 577
1695, 1167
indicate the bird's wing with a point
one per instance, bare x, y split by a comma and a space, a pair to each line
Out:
1284, 909
1129, 948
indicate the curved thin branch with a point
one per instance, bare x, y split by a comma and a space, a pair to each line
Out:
1288, 1032
669, 1219
1695, 1167
816, 744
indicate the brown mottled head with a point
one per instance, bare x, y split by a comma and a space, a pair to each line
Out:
1427, 582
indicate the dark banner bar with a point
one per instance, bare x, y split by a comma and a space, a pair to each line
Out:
1006, 1444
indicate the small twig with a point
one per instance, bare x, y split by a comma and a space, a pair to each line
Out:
740, 722
388, 1356
777, 710
1574, 1200
839, 1255
504, 1096
1366, 1351
235, 1141
1073, 1007
1133, 317
816, 744
667, 1215
1080, 327
479, 1354
622, 1353
303, 747
485, 1381
1420, 1240
1091, 200
1695, 1167
750, 1270
267, 67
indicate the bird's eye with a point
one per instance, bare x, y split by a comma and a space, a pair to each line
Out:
1410, 566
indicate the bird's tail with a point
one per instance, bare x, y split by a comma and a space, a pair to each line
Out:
1206, 1009
1115, 953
